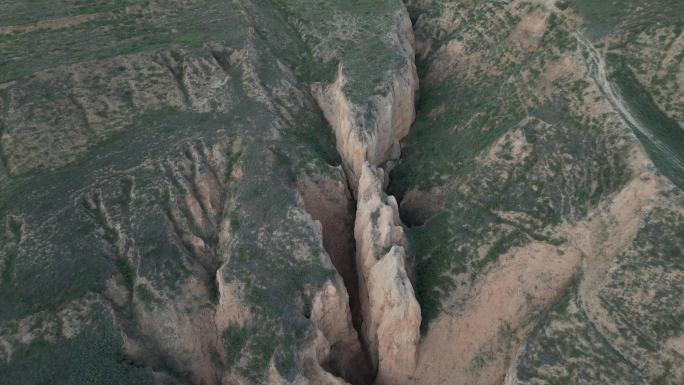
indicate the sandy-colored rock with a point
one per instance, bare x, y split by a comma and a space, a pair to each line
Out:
172, 333
527, 280
394, 307
371, 131
337, 347
327, 199
391, 313
230, 310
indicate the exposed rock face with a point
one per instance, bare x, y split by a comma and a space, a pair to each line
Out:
327, 198
391, 313
339, 351
370, 129
208, 268
198, 192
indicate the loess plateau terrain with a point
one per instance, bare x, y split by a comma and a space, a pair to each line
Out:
331, 192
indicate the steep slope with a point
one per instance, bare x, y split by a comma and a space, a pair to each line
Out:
159, 179
341, 192
526, 184
369, 116
391, 325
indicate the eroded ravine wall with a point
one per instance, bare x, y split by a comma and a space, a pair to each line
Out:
368, 136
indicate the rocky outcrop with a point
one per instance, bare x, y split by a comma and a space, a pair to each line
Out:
370, 129
335, 355
213, 272
326, 197
369, 120
337, 347
391, 313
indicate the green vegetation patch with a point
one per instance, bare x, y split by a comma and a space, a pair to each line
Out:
125, 31
513, 164
94, 356
565, 348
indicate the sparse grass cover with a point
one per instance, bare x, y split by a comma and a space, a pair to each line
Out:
651, 265
23, 12
234, 339
629, 346
462, 141
83, 266
276, 286
124, 31
349, 34
93, 356
604, 17
566, 348
71, 267
139, 174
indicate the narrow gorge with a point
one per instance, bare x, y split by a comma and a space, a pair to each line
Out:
357, 192
383, 306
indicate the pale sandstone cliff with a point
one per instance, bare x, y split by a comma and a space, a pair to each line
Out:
363, 320
370, 130
367, 134
337, 348
178, 305
391, 313
335, 353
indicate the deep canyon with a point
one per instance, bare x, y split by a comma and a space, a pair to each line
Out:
233, 192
